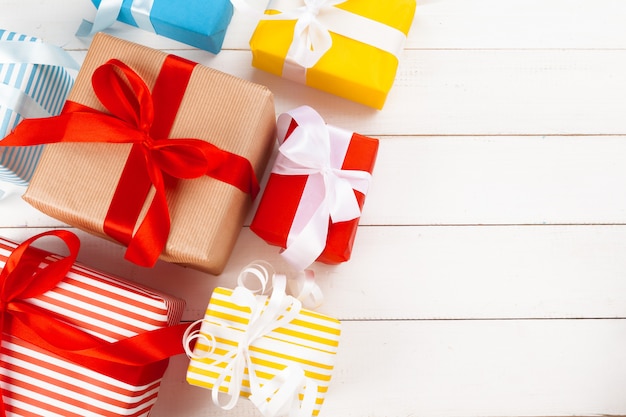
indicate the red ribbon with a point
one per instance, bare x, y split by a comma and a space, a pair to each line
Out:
144, 119
138, 360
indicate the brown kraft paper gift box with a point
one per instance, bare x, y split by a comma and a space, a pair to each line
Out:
75, 182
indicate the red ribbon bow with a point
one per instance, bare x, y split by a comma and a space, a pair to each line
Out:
144, 119
30, 272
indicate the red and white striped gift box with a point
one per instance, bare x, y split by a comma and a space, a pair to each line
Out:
35, 382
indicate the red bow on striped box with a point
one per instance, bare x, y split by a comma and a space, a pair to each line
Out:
78, 342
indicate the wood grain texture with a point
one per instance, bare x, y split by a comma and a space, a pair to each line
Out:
456, 368
488, 277
423, 272
461, 180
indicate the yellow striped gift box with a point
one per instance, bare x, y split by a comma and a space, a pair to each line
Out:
310, 341
35, 382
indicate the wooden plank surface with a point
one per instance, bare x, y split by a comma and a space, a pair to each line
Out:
488, 277
452, 180
457, 368
475, 272
449, 24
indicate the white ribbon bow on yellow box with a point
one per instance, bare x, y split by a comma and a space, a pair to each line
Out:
301, 54
269, 349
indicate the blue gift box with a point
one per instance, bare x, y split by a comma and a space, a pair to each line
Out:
199, 23
35, 79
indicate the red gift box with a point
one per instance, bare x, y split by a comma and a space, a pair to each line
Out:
78, 342
286, 196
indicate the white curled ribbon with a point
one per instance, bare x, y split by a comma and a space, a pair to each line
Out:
35, 53
315, 20
281, 395
329, 191
303, 286
109, 10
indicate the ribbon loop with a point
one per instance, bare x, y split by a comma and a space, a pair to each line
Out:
329, 193
192, 333
22, 276
261, 271
128, 99
311, 36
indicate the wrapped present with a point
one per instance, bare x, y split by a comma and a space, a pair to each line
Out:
160, 154
313, 199
35, 78
198, 23
347, 48
268, 349
78, 342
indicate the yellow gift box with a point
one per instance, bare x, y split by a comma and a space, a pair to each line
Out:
268, 349
352, 68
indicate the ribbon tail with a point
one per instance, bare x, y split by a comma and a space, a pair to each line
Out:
38, 131
82, 127
106, 15
151, 236
308, 401
235, 170
138, 359
308, 291
305, 247
127, 202
343, 205
280, 395
143, 349
236, 378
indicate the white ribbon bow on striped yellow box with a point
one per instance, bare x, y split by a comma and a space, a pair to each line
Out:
268, 349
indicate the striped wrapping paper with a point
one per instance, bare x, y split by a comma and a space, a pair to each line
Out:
37, 383
310, 341
47, 85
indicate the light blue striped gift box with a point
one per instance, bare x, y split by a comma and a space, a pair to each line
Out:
35, 79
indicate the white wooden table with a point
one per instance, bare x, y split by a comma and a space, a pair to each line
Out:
489, 273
